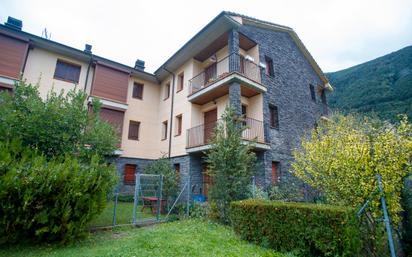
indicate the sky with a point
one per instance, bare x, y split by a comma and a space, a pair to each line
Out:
339, 34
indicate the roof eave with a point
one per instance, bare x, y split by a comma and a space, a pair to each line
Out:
204, 37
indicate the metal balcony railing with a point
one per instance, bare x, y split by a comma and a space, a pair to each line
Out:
221, 69
202, 134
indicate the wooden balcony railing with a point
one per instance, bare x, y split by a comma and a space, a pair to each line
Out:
219, 70
202, 134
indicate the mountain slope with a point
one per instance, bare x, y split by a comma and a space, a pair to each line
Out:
382, 86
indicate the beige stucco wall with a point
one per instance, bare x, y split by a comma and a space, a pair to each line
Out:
254, 106
40, 68
146, 112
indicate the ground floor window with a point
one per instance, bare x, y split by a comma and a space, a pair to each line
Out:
275, 172
129, 177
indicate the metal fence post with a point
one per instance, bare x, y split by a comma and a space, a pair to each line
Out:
116, 195
386, 217
136, 193
159, 198
188, 196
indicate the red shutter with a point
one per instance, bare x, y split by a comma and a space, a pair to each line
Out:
274, 172
129, 174
114, 117
12, 55
110, 83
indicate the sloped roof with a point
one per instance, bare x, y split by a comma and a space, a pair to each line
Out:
228, 20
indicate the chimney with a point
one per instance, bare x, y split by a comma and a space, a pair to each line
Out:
14, 23
87, 49
139, 65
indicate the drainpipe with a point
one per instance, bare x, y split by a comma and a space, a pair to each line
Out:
171, 110
88, 71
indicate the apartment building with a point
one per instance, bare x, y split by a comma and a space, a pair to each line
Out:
260, 68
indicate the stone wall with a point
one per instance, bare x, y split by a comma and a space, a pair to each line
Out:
289, 90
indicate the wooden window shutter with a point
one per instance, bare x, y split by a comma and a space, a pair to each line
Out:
13, 52
110, 83
275, 175
67, 71
138, 90
134, 127
273, 116
114, 117
129, 177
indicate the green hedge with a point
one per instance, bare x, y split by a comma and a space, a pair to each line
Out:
303, 228
47, 200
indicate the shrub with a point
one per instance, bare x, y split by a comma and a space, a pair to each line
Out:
58, 125
306, 229
344, 154
407, 205
49, 199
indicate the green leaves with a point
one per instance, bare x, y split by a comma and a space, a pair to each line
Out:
342, 157
306, 229
49, 199
53, 175
230, 164
57, 125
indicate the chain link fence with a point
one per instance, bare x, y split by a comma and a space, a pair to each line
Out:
142, 202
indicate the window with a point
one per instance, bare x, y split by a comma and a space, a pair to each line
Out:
275, 173
177, 169
164, 130
138, 90
67, 71
273, 117
134, 127
129, 176
167, 91
244, 110
180, 81
312, 92
323, 97
269, 66
178, 129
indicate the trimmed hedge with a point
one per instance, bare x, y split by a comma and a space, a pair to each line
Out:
303, 228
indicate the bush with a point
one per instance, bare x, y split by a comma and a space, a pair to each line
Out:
306, 229
58, 125
45, 200
407, 205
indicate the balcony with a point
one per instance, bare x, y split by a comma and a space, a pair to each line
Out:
198, 138
214, 81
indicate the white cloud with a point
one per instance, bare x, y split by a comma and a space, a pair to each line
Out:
337, 33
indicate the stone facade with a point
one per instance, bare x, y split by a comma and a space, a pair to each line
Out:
289, 90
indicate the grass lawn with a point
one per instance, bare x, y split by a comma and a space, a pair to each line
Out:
180, 238
124, 214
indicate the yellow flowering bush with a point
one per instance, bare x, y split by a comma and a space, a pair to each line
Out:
342, 157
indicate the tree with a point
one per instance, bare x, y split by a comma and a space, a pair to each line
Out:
60, 124
230, 164
53, 174
344, 154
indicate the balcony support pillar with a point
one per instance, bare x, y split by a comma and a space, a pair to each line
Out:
235, 97
233, 43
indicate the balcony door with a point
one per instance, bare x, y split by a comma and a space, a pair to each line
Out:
210, 73
210, 119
